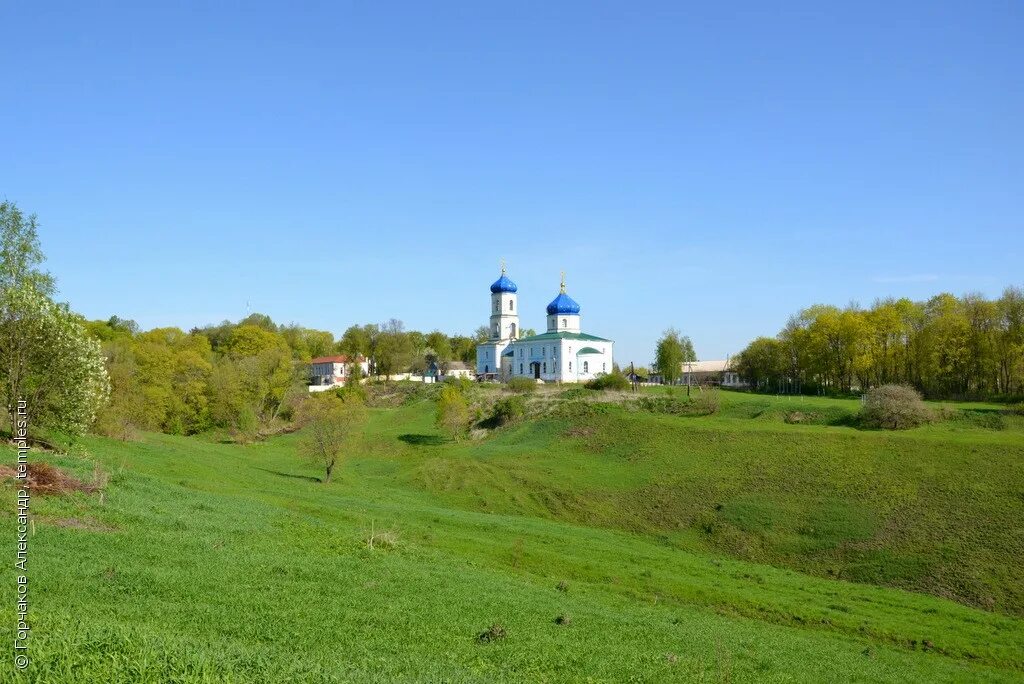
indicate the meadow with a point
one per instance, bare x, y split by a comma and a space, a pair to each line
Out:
772, 541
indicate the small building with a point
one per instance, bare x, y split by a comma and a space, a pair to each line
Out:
718, 372
326, 372
457, 369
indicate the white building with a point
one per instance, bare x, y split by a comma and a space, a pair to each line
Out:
457, 369
332, 371
717, 372
562, 354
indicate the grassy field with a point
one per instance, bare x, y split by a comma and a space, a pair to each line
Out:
620, 545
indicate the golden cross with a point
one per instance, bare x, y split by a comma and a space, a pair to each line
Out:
503, 267
563, 282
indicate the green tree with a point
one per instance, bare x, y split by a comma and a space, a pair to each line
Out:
670, 354
251, 340
762, 362
394, 351
330, 427
439, 347
47, 357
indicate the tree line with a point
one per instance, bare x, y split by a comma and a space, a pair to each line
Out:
947, 347
245, 377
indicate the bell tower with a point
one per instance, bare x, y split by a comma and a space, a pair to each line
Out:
504, 308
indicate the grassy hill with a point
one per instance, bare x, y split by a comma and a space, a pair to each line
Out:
735, 547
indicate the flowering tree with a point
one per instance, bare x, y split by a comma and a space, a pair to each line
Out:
46, 356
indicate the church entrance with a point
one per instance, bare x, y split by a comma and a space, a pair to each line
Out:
536, 370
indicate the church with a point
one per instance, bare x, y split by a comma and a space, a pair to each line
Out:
562, 354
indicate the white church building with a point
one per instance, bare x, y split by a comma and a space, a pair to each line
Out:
562, 354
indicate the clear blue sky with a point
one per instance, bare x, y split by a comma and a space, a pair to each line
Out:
712, 167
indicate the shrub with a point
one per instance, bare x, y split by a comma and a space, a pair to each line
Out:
704, 404
509, 410
492, 633
521, 385
609, 381
452, 412
894, 407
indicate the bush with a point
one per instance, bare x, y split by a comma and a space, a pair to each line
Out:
509, 410
608, 381
704, 404
521, 385
452, 412
894, 407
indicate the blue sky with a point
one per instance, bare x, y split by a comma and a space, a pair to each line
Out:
714, 167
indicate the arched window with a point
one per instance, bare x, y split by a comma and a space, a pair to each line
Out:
520, 369
565, 322
586, 366
511, 305
544, 368
512, 330
570, 365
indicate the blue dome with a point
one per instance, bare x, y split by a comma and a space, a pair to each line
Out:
503, 284
563, 304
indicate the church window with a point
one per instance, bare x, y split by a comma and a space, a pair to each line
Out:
604, 366
543, 351
520, 369
586, 366
511, 306
544, 368
570, 365
565, 323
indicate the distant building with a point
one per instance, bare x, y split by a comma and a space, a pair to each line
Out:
719, 372
457, 369
332, 371
562, 354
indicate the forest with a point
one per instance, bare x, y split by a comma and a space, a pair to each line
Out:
947, 347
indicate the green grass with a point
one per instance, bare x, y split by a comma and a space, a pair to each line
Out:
736, 547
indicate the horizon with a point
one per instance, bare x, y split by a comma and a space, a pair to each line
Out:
687, 168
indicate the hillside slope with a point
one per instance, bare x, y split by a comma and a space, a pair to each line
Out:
214, 562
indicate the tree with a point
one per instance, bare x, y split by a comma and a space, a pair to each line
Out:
250, 340
671, 352
49, 360
452, 412
20, 253
762, 362
394, 349
481, 334
463, 348
439, 348
307, 343
331, 426
47, 357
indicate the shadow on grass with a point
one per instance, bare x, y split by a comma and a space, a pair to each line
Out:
422, 440
307, 478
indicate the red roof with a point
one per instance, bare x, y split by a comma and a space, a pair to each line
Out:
332, 359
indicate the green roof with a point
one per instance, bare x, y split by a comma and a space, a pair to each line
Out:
587, 350
563, 336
